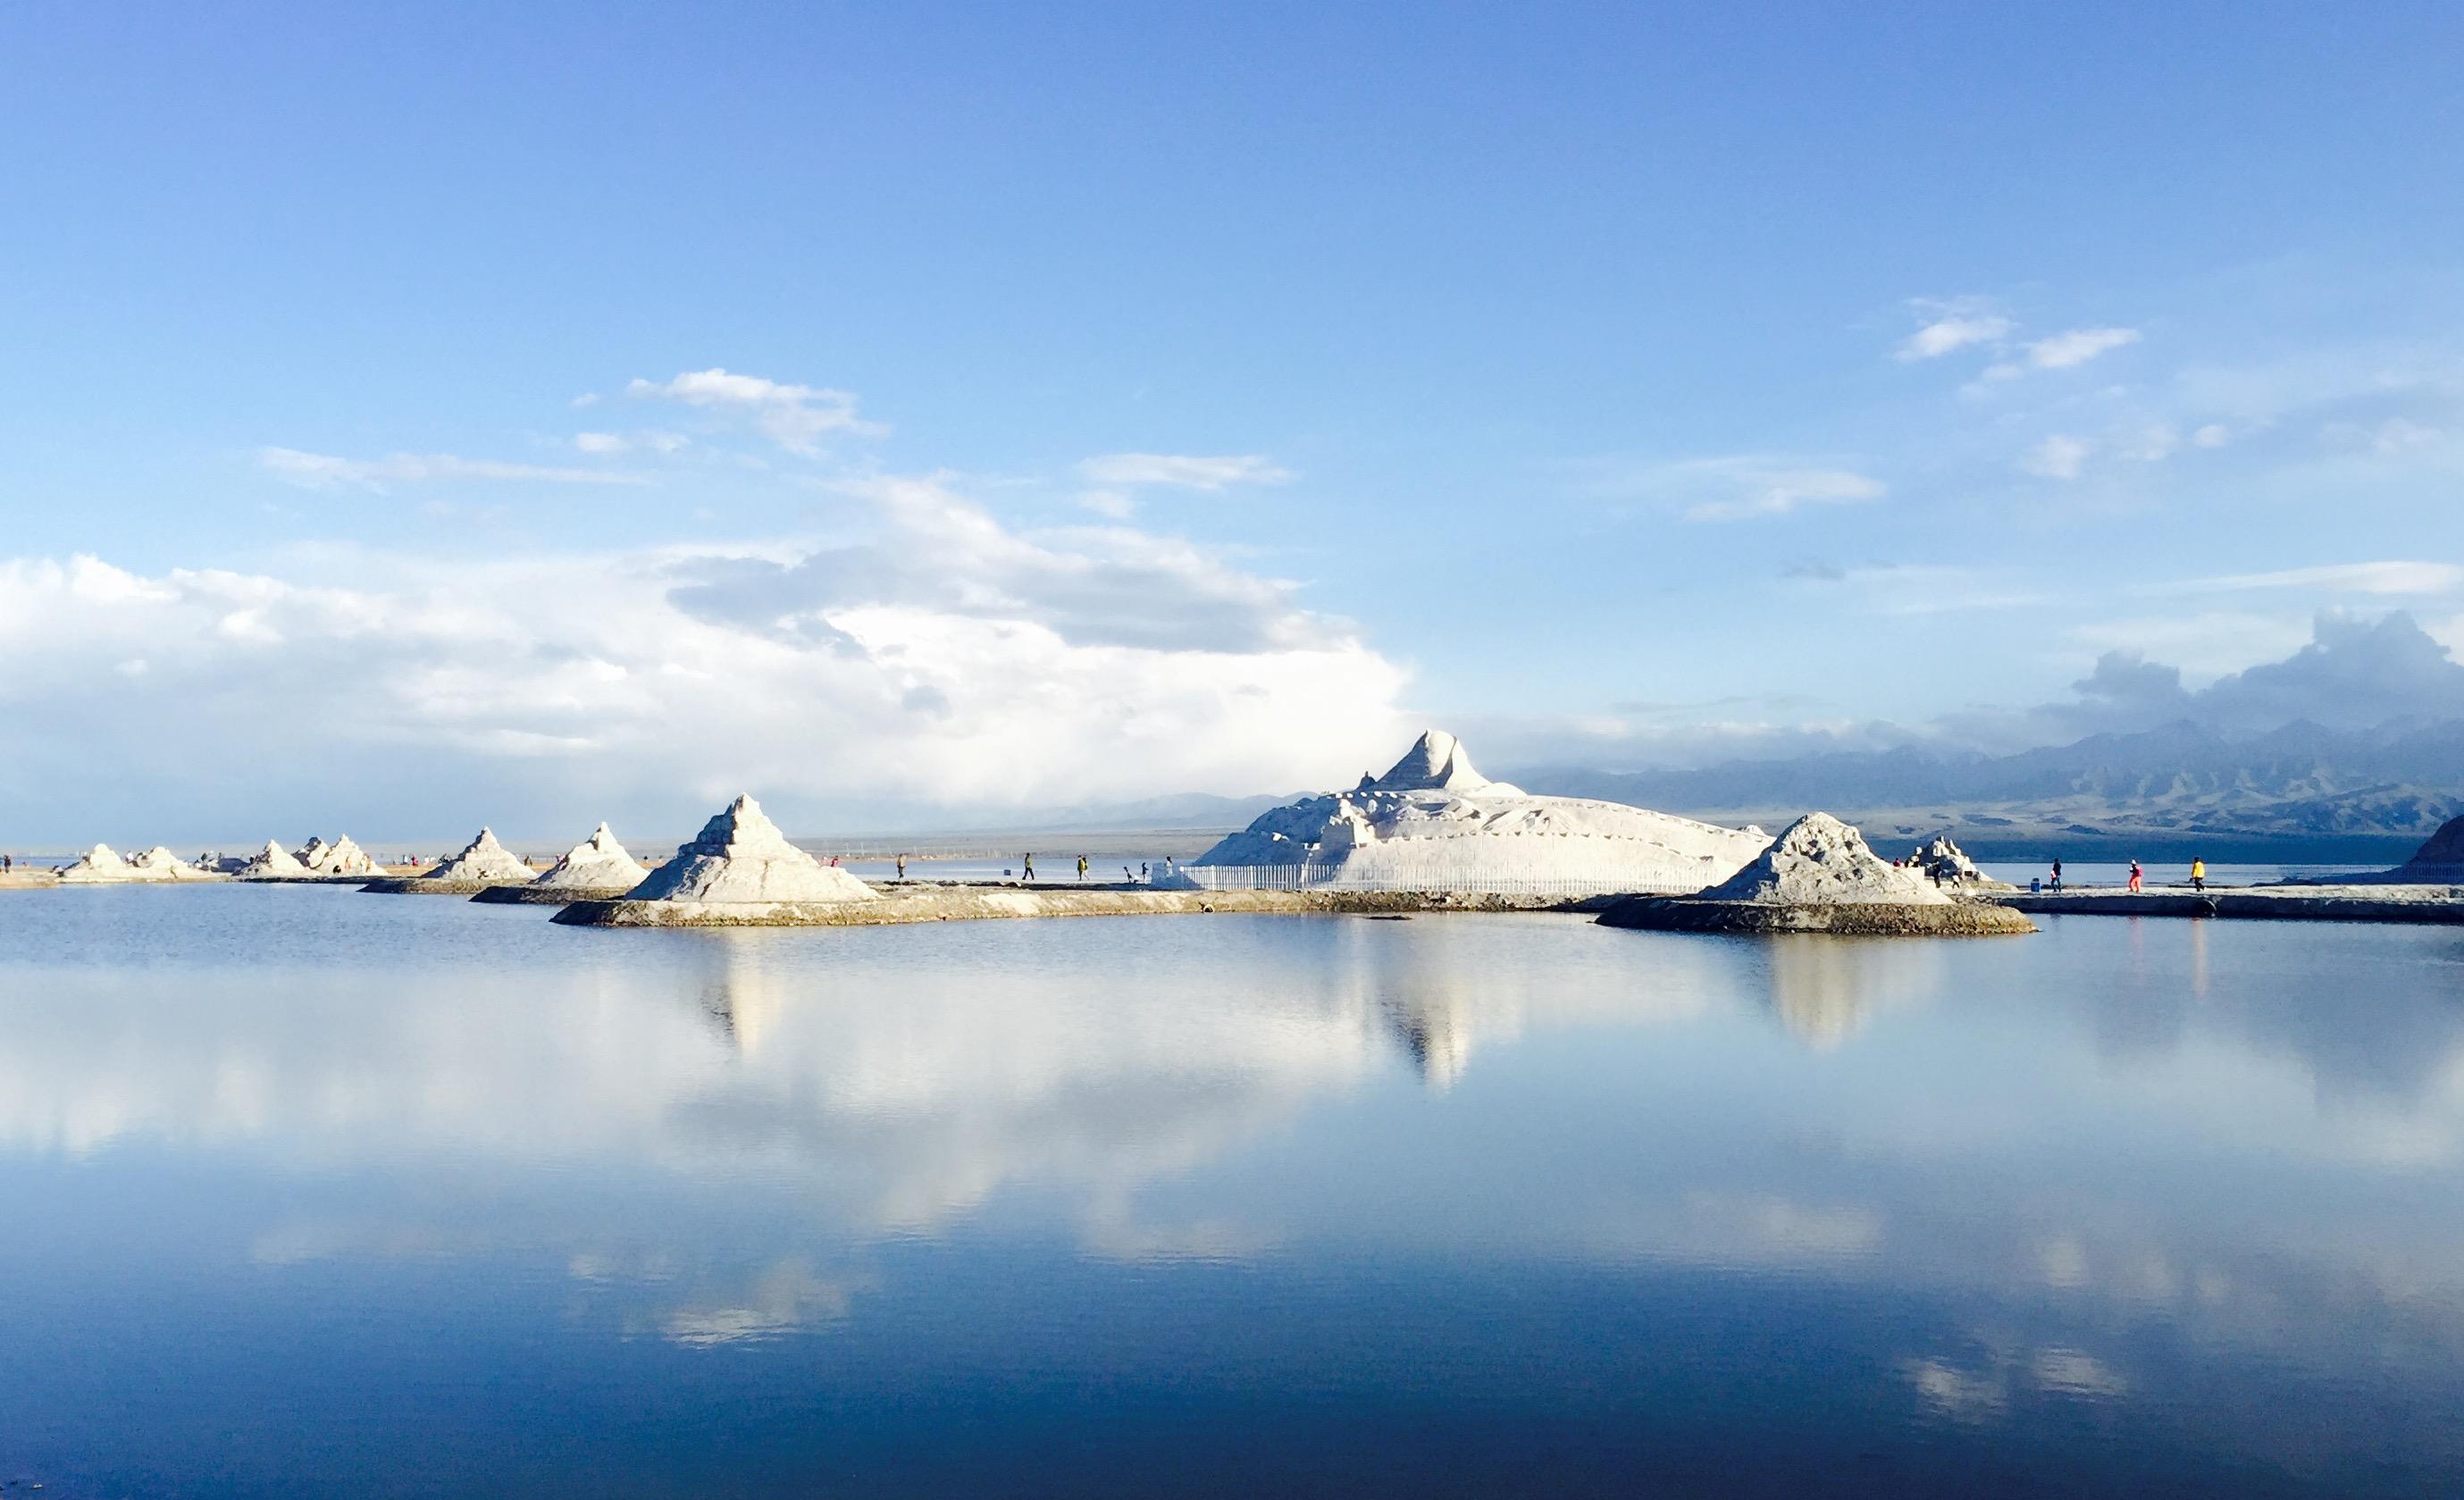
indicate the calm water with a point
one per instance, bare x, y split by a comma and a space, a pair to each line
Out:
309, 1193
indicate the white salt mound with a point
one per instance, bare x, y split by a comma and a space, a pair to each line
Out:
96, 864
342, 857
161, 864
1940, 859
273, 862
1820, 861
741, 856
309, 853
1433, 822
598, 863
482, 859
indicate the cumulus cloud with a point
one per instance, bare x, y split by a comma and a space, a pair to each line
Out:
942, 659
794, 417
1951, 325
2065, 350
2061, 457
326, 472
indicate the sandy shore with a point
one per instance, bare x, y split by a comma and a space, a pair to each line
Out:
2307, 903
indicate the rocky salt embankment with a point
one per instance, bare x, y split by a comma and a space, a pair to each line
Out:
596, 869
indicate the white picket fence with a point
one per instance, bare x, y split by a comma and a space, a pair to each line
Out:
1433, 879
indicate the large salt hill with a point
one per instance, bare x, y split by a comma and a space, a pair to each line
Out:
1434, 823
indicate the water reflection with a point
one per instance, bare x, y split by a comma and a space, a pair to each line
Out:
2081, 1172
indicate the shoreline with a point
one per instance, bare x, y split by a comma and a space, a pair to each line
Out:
984, 903
2434, 904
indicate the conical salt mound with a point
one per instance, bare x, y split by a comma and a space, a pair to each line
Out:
482, 860
598, 863
741, 856
1437, 762
99, 863
161, 864
311, 853
1820, 861
273, 862
342, 857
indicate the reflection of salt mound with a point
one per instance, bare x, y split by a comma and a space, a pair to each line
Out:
97, 865
740, 856
482, 859
273, 862
341, 857
598, 863
1434, 823
1822, 861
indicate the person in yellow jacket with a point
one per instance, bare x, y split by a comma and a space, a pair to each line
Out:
2198, 874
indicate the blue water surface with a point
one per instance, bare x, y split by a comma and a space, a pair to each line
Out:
313, 1193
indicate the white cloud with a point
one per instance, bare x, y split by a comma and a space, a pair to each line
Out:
794, 417
1951, 323
1749, 488
326, 472
2077, 346
2215, 435
2059, 456
945, 659
2148, 444
1182, 471
2392, 578
649, 440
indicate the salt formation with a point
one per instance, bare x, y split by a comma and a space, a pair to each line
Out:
599, 863
1945, 863
340, 859
311, 853
741, 856
483, 861
274, 862
1433, 822
1819, 876
99, 864
1819, 860
161, 864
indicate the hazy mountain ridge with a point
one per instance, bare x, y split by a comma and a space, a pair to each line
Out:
2301, 780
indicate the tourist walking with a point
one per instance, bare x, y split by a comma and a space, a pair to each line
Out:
902, 867
2198, 874
1028, 860
2057, 875
1082, 870
2134, 877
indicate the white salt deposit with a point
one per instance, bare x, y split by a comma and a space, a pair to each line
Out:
741, 856
99, 863
482, 860
341, 857
273, 862
311, 853
161, 864
598, 863
1944, 861
1820, 861
1433, 822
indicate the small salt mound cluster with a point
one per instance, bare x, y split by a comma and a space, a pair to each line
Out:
1433, 822
483, 861
741, 856
1819, 877
273, 862
161, 864
599, 863
97, 866
1820, 861
343, 858
1945, 863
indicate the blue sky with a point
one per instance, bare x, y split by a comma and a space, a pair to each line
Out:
1119, 400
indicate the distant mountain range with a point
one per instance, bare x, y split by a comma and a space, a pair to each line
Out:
2358, 792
